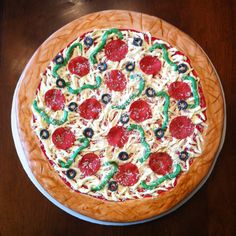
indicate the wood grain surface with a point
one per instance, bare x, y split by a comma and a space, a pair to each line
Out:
24, 26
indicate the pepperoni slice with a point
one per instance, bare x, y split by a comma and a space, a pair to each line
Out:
179, 90
63, 138
181, 127
160, 163
150, 65
79, 66
54, 99
90, 109
140, 111
117, 136
116, 50
89, 164
127, 174
202, 98
116, 80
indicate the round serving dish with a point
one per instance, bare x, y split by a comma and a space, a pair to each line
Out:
27, 146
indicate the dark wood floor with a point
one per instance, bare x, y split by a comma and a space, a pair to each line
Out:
24, 25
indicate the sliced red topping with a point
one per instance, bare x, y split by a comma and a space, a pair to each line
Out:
150, 65
140, 111
127, 174
54, 99
160, 163
63, 138
179, 90
90, 109
117, 136
116, 50
115, 80
89, 164
202, 98
79, 66
181, 127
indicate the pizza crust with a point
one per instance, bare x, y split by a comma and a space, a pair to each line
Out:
126, 211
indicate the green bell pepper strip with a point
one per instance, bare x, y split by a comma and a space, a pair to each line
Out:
133, 96
69, 53
100, 46
159, 181
85, 144
194, 91
85, 86
166, 107
143, 141
47, 118
107, 177
165, 54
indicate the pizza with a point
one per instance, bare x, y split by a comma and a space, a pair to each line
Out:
122, 116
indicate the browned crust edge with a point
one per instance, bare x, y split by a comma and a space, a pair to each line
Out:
131, 210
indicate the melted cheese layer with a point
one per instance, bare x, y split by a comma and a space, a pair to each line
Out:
110, 117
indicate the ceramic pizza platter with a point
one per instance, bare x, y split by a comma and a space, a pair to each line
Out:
102, 200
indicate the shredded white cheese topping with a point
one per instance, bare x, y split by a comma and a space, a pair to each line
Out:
109, 117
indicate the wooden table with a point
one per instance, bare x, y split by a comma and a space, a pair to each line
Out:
24, 25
